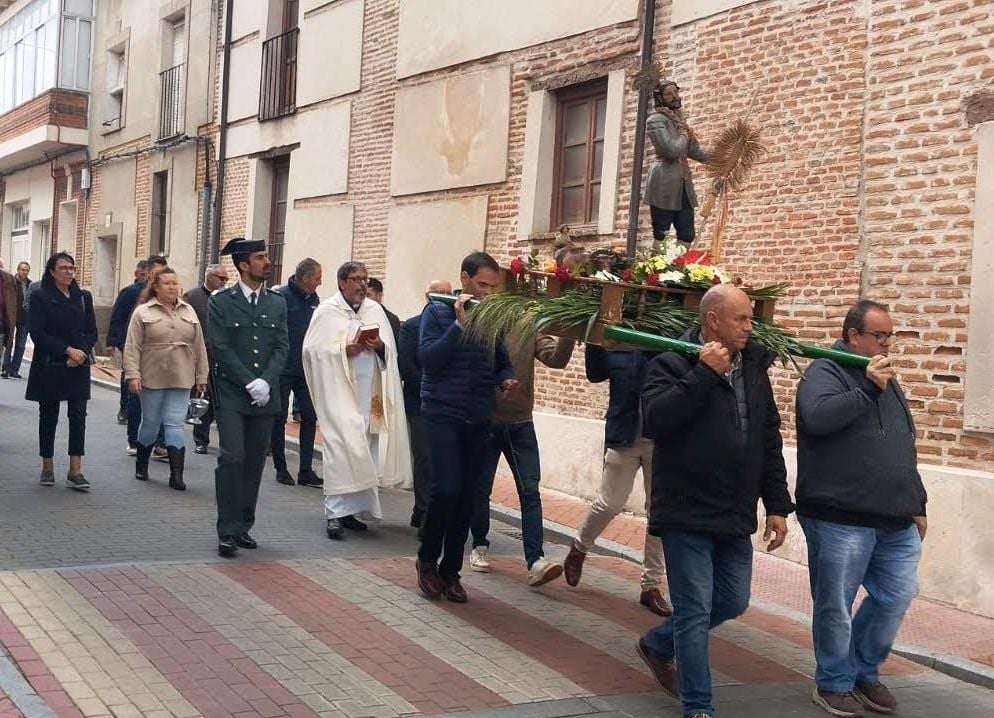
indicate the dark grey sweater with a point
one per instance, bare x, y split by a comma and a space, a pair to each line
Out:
856, 458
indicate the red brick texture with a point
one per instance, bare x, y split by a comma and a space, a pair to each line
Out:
65, 108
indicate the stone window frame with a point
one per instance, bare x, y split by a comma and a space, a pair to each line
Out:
535, 197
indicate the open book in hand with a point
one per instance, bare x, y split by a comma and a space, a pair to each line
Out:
367, 332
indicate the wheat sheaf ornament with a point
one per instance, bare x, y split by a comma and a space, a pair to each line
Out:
733, 155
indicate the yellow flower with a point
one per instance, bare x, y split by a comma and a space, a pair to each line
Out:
699, 273
549, 266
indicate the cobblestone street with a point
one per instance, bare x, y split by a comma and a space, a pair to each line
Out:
115, 603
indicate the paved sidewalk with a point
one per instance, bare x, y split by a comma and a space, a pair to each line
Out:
930, 629
114, 603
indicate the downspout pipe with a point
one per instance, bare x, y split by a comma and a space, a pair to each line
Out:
635, 199
222, 145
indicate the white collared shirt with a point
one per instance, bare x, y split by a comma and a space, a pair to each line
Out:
248, 291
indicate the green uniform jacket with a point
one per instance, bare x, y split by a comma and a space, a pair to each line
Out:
247, 344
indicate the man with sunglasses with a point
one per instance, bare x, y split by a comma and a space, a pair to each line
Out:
861, 504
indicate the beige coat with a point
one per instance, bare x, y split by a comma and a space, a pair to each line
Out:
165, 349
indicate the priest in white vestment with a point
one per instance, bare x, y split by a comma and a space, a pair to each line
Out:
356, 389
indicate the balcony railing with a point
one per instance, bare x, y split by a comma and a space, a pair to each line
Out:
172, 101
278, 91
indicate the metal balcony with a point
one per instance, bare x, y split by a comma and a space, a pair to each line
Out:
172, 102
278, 90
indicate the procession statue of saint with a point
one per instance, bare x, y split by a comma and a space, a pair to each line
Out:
669, 189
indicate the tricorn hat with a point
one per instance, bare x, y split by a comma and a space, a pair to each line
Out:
241, 245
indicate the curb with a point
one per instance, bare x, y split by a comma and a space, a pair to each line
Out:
957, 667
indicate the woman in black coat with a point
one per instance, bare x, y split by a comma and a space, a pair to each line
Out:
64, 330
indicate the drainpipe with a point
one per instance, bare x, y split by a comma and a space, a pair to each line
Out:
635, 199
222, 144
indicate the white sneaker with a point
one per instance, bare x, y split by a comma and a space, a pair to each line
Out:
131, 450
543, 571
478, 559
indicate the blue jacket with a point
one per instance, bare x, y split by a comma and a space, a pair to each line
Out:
120, 316
407, 362
299, 310
626, 372
460, 378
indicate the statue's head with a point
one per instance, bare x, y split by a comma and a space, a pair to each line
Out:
667, 94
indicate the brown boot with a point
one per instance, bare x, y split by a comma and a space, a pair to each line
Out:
654, 600
430, 583
573, 565
663, 670
843, 705
875, 696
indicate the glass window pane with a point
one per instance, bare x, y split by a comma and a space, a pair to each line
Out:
600, 118
83, 8
571, 205
595, 201
67, 65
574, 165
595, 174
83, 55
576, 124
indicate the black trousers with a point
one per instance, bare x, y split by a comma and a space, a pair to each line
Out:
243, 440
421, 458
202, 431
458, 458
682, 220
308, 423
48, 420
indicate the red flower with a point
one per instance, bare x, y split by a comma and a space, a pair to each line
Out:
715, 280
692, 256
652, 279
562, 273
517, 266
626, 275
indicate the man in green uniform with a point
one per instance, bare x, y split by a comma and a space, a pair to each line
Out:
248, 337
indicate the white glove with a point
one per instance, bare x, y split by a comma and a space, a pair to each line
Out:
258, 389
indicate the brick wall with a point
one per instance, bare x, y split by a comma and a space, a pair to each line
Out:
65, 108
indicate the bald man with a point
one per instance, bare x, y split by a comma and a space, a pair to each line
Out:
718, 450
410, 374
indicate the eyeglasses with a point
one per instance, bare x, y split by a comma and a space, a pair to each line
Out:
881, 337
359, 280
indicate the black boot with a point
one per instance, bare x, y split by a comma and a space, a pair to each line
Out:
176, 459
141, 461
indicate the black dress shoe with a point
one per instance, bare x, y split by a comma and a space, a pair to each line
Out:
416, 521
246, 541
15, 375
200, 449
353, 524
307, 477
335, 531
283, 477
227, 547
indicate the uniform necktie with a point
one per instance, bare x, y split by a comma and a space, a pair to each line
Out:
252, 299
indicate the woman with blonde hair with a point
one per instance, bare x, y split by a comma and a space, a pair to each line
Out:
164, 356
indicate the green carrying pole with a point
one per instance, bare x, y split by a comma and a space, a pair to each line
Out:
653, 341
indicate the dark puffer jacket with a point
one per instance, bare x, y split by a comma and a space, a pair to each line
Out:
626, 372
460, 378
299, 310
707, 477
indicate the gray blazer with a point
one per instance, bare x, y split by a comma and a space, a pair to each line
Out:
670, 173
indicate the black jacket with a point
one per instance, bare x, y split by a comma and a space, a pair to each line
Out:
460, 378
57, 322
299, 310
394, 323
626, 372
856, 458
707, 477
407, 362
197, 298
120, 316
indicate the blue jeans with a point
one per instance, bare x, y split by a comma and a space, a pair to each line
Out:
840, 559
457, 449
163, 409
709, 579
519, 445
14, 353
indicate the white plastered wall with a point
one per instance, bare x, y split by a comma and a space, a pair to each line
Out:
431, 238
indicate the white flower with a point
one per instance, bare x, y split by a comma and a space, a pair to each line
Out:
606, 276
673, 275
